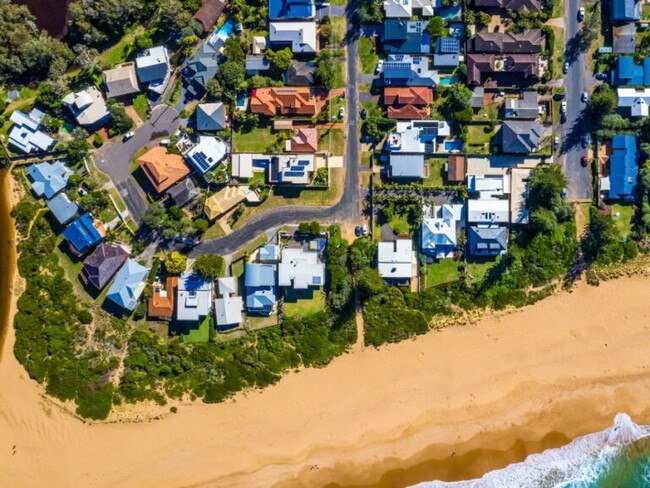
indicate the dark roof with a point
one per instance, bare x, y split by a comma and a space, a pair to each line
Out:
529, 41
624, 38
626, 10
520, 136
487, 241
182, 193
627, 72
484, 65
102, 264
300, 73
291, 9
209, 12
456, 168
528, 5
201, 67
82, 234
526, 107
403, 36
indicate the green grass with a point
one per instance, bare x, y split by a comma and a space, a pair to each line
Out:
200, 333
477, 268
444, 271
108, 214
257, 140
117, 198
175, 95
215, 231
478, 139
141, 106
624, 221
339, 3
338, 30
122, 50
367, 56
300, 303
400, 224
331, 139
435, 179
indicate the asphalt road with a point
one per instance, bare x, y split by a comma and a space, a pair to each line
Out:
348, 208
576, 125
114, 158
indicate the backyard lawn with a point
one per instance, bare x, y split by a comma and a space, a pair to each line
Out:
301, 303
256, 140
197, 334
477, 268
400, 224
435, 178
624, 220
121, 51
335, 138
444, 271
478, 139
367, 55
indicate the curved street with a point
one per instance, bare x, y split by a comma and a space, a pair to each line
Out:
348, 208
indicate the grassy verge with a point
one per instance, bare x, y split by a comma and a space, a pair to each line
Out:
141, 106
367, 56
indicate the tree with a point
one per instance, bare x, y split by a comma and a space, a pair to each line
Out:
436, 26
370, 283
545, 188
313, 228
143, 41
213, 89
120, 120
188, 43
153, 216
210, 266
231, 76
603, 101
77, 147
280, 60
233, 50
326, 69
175, 262
603, 243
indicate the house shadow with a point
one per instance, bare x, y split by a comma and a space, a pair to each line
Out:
293, 295
115, 310
142, 180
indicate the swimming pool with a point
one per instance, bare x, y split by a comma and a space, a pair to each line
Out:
448, 13
453, 145
448, 80
220, 35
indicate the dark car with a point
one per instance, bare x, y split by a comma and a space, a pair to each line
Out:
585, 141
363, 114
584, 161
600, 76
358, 231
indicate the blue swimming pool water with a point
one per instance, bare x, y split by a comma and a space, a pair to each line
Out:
455, 145
448, 80
227, 29
450, 12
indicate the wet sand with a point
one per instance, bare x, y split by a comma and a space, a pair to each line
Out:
451, 404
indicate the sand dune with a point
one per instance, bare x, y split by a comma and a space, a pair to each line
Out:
450, 404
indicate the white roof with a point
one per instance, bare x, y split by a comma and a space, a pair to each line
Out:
489, 186
227, 285
300, 269
396, 259
228, 310
295, 169
207, 153
637, 100
242, 165
87, 106
440, 229
404, 8
301, 35
488, 211
410, 136
194, 298
25, 134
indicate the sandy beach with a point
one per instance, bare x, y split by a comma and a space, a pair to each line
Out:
451, 404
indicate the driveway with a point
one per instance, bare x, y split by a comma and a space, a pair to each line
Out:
114, 158
331, 11
348, 209
576, 81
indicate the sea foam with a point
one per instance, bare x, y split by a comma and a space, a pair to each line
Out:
575, 465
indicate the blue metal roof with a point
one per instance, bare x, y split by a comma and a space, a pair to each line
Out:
407, 166
626, 9
128, 285
624, 168
82, 234
48, 179
62, 208
291, 9
627, 72
257, 274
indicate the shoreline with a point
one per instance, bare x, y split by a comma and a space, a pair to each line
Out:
450, 404
8, 256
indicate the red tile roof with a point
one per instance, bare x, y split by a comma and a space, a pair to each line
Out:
305, 140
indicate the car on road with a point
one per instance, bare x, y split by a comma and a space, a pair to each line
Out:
563, 108
358, 231
581, 14
364, 229
128, 136
566, 68
600, 76
556, 141
585, 97
584, 161
363, 114
341, 112
585, 141
380, 66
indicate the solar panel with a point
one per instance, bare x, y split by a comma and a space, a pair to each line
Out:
449, 45
303, 162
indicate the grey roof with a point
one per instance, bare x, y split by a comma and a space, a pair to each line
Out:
407, 166
477, 97
48, 179
406, 70
62, 208
257, 62
624, 38
128, 285
152, 64
520, 136
202, 66
300, 73
260, 274
102, 264
121, 80
489, 241
183, 192
228, 310
526, 107
194, 298
210, 116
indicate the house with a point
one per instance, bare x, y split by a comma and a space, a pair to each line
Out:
304, 140
456, 168
228, 309
299, 269
209, 13
102, 264
623, 168
439, 233
406, 166
193, 298
200, 69
182, 193
207, 153
487, 240
270, 253
403, 36
62, 208
526, 107
624, 38
488, 186
478, 95
161, 303
258, 45
152, 67
161, 168
295, 101
408, 8
129, 284
82, 234
87, 107
406, 70
408, 102
396, 260
210, 116
121, 81
488, 212
526, 5
26, 134
529, 41
260, 281
224, 200
291, 9
300, 73
48, 179
446, 52
628, 73
417, 136
622, 10
520, 136
635, 100
291, 169
299, 36
256, 63
502, 69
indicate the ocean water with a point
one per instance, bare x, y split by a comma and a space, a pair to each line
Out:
618, 457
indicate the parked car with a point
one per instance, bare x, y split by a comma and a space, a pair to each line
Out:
363, 114
341, 113
600, 76
584, 161
164, 142
556, 141
380, 66
581, 14
364, 229
563, 108
585, 97
566, 68
128, 136
358, 231
585, 141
